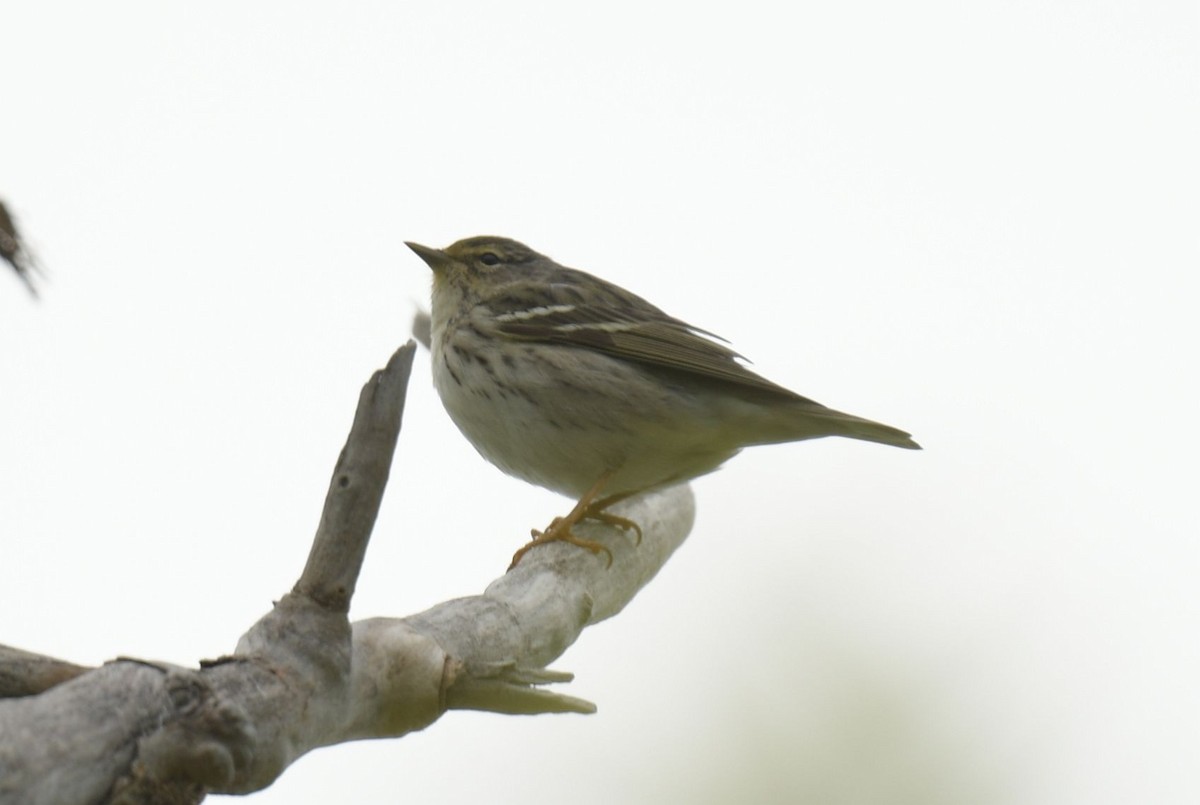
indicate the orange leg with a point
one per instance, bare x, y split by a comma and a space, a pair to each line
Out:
597, 512
588, 508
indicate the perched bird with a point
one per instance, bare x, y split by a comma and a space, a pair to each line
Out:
579, 386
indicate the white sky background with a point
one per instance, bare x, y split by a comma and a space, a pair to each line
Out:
974, 221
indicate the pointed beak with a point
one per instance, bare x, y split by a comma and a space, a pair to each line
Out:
435, 258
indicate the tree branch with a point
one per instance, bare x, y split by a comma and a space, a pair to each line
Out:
23, 673
356, 490
304, 677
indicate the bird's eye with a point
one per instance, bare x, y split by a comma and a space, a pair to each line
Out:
489, 259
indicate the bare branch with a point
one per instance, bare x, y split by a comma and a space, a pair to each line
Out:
356, 489
23, 673
304, 677
496, 645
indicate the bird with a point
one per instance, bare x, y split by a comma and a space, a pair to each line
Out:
574, 384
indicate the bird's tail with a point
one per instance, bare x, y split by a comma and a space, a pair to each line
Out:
854, 427
810, 420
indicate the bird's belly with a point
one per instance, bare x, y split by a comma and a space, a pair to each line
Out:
563, 431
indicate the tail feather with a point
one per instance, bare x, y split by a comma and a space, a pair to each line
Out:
854, 427
812, 420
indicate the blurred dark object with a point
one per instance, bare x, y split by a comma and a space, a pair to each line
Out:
421, 327
16, 253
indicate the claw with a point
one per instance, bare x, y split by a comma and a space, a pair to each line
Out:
588, 508
620, 522
555, 533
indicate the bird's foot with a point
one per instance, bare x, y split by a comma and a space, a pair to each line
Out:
623, 523
559, 530
588, 508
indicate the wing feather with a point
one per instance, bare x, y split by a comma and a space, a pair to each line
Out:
649, 337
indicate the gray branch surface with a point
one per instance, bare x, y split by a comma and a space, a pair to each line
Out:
23, 673
304, 676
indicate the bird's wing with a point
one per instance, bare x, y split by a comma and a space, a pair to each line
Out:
639, 333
